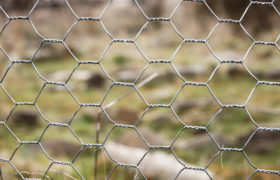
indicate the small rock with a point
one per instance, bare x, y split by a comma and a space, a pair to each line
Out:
50, 52
81, 75
192, 70
162, 119
96, 80
126, 116
236, 72
261, 142
128, 76
27, 118
130, 139
61, 148
273, 74
58, 76
186, 105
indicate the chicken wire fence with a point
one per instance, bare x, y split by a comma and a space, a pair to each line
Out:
112, 150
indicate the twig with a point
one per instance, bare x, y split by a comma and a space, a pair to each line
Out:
222, 164
135, 175
34, 173
145, 81
65, 174
98, 125
37, 173
1, 175
98, 128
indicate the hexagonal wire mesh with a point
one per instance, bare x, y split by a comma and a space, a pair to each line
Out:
80, 151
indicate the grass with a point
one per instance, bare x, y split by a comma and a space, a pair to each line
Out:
85, 123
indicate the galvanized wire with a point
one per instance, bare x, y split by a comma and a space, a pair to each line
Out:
135, 87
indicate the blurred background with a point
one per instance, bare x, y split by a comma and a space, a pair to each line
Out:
157, 83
